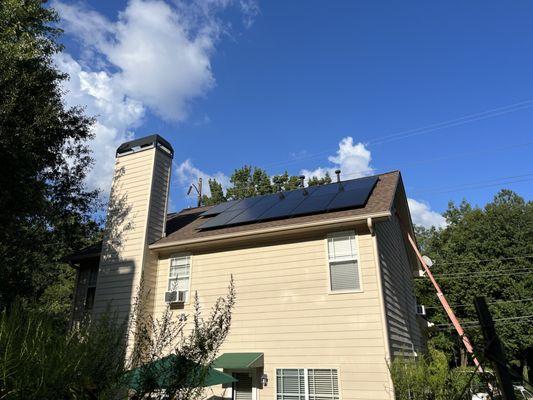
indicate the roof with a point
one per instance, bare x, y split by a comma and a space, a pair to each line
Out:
185, 225
380, 201
146, 141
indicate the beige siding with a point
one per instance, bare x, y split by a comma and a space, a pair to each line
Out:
285, 310
400, 303
136, 217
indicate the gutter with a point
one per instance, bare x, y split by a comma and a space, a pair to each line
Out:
266, 231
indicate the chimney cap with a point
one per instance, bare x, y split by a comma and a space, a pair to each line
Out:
145, 142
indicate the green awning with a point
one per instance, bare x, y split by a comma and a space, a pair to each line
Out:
239, 360
170, 372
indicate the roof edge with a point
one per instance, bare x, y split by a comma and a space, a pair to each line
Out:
258, 232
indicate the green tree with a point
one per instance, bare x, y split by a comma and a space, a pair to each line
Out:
314, 180
249, 181
484, 252
285, 182
217, 194
45, 209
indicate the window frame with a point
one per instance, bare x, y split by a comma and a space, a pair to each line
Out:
188, 290
91, 286
306, 379
357, 258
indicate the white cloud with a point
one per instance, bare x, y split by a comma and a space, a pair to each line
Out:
156, 56
354, 162
352, 159
115, 113
422, 214
187, 173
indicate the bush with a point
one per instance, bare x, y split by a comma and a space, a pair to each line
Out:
38, 360
428, 377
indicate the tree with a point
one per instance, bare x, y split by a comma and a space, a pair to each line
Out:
314, 180
484, 251
189, 351
217, 194
45, 209
251, 181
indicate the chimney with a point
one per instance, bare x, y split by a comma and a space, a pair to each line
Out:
136, 217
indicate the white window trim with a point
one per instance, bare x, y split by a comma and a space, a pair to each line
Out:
358, 259
306, 378
189, 295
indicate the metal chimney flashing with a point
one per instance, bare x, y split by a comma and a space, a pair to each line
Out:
145, 143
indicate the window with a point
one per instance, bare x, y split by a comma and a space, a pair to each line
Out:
343, 262
307, 384
323, 384
180, 269
91, 288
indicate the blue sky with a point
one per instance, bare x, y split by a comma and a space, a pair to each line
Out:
285, 85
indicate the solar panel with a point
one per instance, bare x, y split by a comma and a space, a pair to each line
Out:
220, 219
360, 183
254, 212
219, 208
285, 206
314, 199
355, 197
314, 203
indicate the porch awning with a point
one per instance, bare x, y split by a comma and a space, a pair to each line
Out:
239, 360
171, 370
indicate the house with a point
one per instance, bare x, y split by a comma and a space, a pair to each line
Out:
323, 276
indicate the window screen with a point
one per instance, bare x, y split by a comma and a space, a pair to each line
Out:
179, 274
343, 262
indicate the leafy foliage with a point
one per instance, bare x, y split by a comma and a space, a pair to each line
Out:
429, 377
251, 181
189, 351
45, 209
40, 361
489, 250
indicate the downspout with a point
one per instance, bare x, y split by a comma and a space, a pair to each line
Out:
384, 323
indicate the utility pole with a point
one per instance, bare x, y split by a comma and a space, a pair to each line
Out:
494, 349
198, 191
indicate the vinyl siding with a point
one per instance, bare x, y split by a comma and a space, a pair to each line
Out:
285, 310
138, 196
400, 303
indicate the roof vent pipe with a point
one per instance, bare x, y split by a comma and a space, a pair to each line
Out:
338, 173
302, 184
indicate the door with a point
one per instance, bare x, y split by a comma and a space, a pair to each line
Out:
243, 386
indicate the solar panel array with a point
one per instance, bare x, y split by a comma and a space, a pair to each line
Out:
311, 200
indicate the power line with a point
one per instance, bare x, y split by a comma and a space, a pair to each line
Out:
519, 319
490, 302
436, 264
458, 121
442, 158
425, 129
482, 274
478, 184
501, 271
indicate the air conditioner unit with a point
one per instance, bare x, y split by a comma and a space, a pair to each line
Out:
171, 297
175, 296
420, 310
